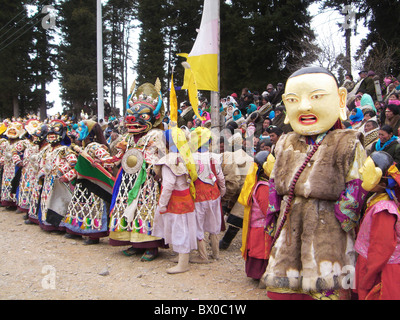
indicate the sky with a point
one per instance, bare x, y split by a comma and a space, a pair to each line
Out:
324, 25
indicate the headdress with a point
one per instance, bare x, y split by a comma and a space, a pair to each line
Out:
145, 108
58, 133
31, 125
15, 130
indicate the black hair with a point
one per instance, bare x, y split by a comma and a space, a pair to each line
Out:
274, 129
308, 70
393, 108
371, 113
387, 128
374, 123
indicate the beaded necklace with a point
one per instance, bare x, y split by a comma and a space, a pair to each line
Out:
318, 142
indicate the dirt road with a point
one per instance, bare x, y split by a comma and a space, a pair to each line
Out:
37, 265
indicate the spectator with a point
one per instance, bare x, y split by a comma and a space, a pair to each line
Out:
387, 142
186, 115
392, 117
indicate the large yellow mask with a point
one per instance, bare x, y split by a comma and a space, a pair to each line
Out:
269, 165
371, 175
313, 101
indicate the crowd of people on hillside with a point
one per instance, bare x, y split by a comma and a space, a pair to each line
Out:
114, 178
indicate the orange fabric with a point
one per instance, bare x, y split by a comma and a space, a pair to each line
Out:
205, 191
180, 202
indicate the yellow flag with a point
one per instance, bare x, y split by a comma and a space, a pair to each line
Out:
193, 94
173, 102
203, 57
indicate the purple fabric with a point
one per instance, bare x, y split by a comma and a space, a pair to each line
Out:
139, 245
255, 268
348, 207
92, 236
274, 207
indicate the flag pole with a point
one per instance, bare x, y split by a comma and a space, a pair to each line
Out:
215, 96
100, 94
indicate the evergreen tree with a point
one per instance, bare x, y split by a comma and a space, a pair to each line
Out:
183, 18
15, 44
382, 18
151, 47
118, 17
77, 55
263, 42
42, 65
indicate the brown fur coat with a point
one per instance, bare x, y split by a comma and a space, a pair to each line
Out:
312, 249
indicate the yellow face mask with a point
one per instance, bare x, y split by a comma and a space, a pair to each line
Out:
371, 175
313, 103
269, 165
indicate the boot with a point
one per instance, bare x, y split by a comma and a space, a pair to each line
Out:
230, 234
214, 246
182, 266
202, 256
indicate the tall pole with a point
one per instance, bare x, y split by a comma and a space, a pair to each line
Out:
100, 94
215, 96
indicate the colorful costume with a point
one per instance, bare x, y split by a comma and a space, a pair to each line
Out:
256, 243
37, 162
210, 187
175, 217
315, 195
136, 192
15, 132
59, 162
29, 150
378, 240
87, 213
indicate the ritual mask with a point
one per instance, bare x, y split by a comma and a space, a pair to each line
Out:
371, 175
313, 101
57, 132
377, 165
15, 130
145, 109
32, 125
40, 134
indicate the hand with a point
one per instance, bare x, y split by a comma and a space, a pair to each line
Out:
63, 179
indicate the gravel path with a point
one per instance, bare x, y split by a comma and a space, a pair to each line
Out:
37, 265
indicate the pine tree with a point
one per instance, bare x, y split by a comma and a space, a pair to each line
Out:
77, 55
263, 42
118, 17
15, 43
42, 66
382, 19
151, 48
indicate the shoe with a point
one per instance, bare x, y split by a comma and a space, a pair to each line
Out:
132, 251
182, 266
149, 255
202, 256
91, 241
230, 234
72, 236
27, 221
214, 246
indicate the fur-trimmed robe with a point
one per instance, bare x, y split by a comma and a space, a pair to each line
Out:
311, 257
